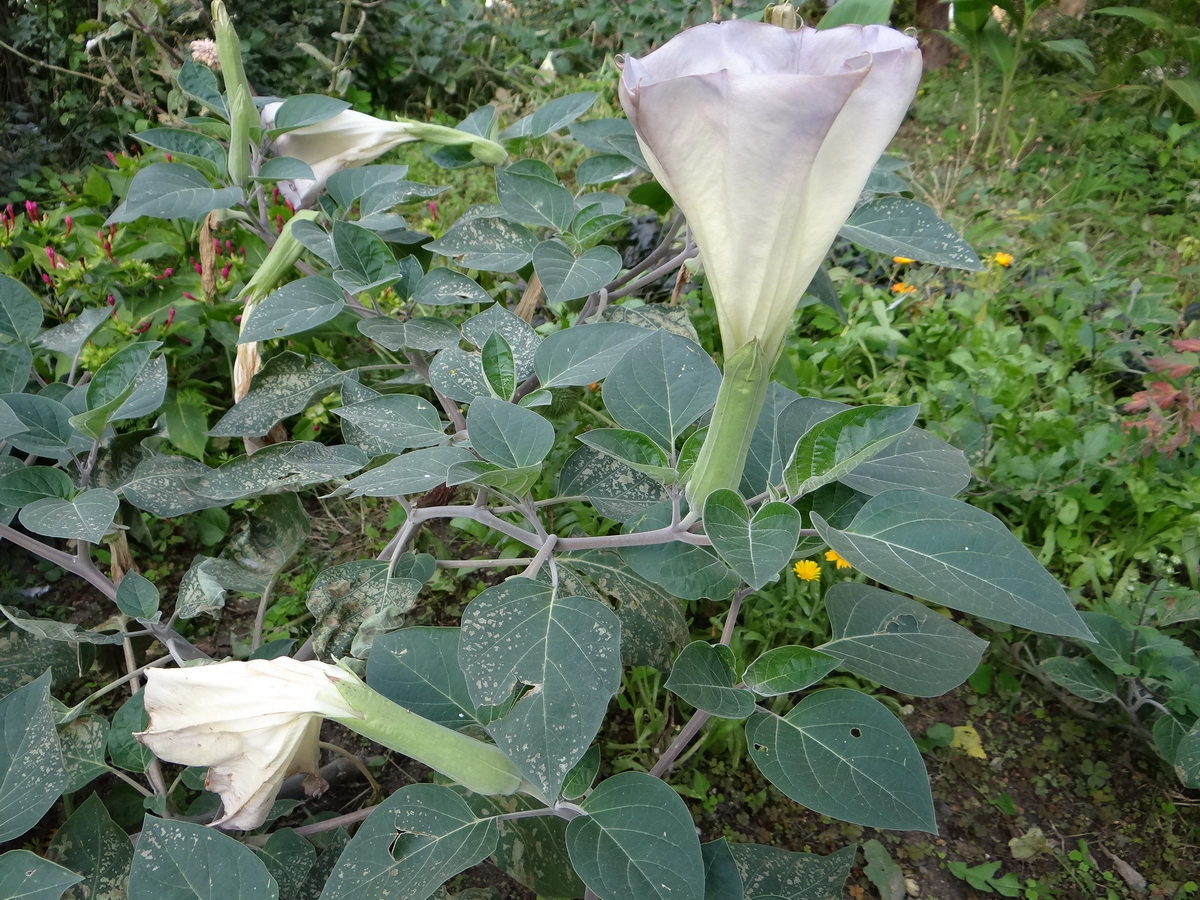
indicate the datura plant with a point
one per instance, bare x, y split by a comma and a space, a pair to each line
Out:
510, 381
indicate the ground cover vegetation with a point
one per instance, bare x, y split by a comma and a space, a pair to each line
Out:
252, 417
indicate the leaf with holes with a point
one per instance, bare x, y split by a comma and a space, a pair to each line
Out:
613, 488
296, 307
703, 676
565, 276
637, 841
284, 387
445, 287
947, 552
355, 601
93, 845
844, 754
756, 547
566, 649
898, 642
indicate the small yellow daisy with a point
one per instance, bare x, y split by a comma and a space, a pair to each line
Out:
901, 288
834, 557
1002, 259
902, 260
807, 570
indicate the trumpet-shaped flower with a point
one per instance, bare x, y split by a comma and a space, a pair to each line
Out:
765, 138
352, 139
254, 723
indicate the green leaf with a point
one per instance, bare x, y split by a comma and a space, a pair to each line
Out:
9, 423
950, 553
634, 449
489, 243
16, 363
521, 338
565, 276
86, 518
843, 754
178, 142
421, 836
610, 136
883, 872
395, 193
787, 669
583, 775
349, 185
652, 624
1187, 758
47, 427
530, 194
296, 307
661, 386
613, 488
584, 354
1114, 642
187, 422
288, 858
306, 109
1187, 90
397, 422
772, 872
416, 472
605, 168
496, 360
32, 776
896, 226
137, 597
20, 311
508, 435
199, 83
168, 486
722, 881
281, 467
555, 115
354, 602
703, 676
53, 630
22, 653
83, 741
285, 386
835, 446
284, 168
857, 12
1082, 677
566, 648
25, 876
756, 547
637, 841
93, 845
897, 642
115, 386
177, 860
124, 749
365, 260
418, 668
916, 460
445, 287
514, 482
420, 333
31, 483
685, 570
172, 191
70, 336
459, 375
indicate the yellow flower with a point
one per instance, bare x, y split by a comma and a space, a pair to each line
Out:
1002, 259
902, 260
834, 557
807, 570
901, 288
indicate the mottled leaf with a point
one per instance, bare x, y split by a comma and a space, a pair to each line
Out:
284, 387
176, 860
93, 845
32, 775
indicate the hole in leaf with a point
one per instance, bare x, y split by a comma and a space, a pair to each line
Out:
761, 748
856, 732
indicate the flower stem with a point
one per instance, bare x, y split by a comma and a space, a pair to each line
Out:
739, 401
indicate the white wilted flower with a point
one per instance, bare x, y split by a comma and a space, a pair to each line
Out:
765, 137
352, 139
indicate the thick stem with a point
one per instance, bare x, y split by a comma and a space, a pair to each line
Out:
739, 401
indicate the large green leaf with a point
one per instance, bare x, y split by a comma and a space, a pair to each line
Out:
565, 276
530, 194
1082, 677
281, 467
774, 872
459, 375
30, 483
703, 676
634, 449
365, 260
755, 546
897, 642
613, 488
834, 447
661, 386
416, 472
86, 518
566, 648
25, 876
52, 629
445, 287
16, 364
285, 386
488, 243
32, 775
685, 570
353, 602
896, 226
420, 333
1187, 757
950, 553
610, 136
584, 354
289, 858
83, 740
22, 653
306, 109
93, 845
70, 336
398, 422
637, 841
786, 669
349, 185
916, 460
20, 311
418, 668
169, 486
521, 338
508, 435
558, 113
722, 881
421, 836
177, 860
843, 754
296, 307
178, 142
172, 191
46, 423
200, 83
137, 597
